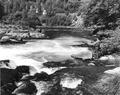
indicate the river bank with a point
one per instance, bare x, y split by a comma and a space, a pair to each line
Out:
15, 34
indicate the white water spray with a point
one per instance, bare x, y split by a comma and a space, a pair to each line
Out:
18, 54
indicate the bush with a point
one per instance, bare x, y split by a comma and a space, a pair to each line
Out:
57, 20
108, 45
102, 12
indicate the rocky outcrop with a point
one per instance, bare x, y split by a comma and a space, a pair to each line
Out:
26, 88
16, 34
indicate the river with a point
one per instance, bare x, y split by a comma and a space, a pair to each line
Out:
36, 52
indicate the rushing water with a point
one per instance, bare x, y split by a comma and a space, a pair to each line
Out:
36, 52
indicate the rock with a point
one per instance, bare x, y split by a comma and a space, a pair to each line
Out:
37, 35
27, 88
42, 77
23, 69
37, 77
7, 64
4, 63
70, 82
9, 76
115, 71
87, 73
106, 84
5, 38
83, 55
7, 89
12, 75
111, 60
64, 63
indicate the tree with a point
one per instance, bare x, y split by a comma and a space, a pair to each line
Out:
102, 12
1, 10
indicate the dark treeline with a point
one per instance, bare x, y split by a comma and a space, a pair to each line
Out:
29, 12
104, 13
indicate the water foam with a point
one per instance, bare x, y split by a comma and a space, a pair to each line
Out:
17, 53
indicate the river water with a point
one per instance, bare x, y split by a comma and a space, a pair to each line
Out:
36, 52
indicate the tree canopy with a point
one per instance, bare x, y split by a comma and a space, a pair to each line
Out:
102, 12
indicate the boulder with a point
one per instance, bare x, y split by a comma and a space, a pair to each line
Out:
26, 88
106, 84
5, 38
7, 89
12, 75
64, 63
9, 76
42, 77
7, 64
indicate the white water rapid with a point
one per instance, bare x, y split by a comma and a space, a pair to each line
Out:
34, 53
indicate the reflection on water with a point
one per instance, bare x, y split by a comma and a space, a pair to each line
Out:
36, 52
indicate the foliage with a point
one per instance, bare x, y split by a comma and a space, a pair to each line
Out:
24, 11
58, 20
102, 12
108, 45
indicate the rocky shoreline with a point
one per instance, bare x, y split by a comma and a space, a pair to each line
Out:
91, 79
11, 34
79, 76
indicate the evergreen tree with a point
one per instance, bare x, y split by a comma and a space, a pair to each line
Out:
1, 10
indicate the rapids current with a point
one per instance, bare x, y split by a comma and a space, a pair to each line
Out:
36, 52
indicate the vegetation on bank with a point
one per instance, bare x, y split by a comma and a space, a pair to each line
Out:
104, 15
29, 12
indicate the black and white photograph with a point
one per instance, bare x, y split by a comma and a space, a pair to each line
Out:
59, 47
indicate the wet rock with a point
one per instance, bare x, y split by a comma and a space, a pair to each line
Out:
36, 35
12, 41
87, 73
9, 76
4, 63
23, 69
12, 75
5, 38
26, 88
64, 63
70, 82
57, 89
37, 77
7, 89
111, 60
106, 84
84, 55
42, 77
7, 64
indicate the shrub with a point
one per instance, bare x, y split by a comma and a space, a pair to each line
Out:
102, 12
59, 20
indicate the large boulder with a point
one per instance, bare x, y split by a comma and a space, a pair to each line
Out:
7, 64
107, 84
26, 88
64, 63
8, 89
5, 38
12, 75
